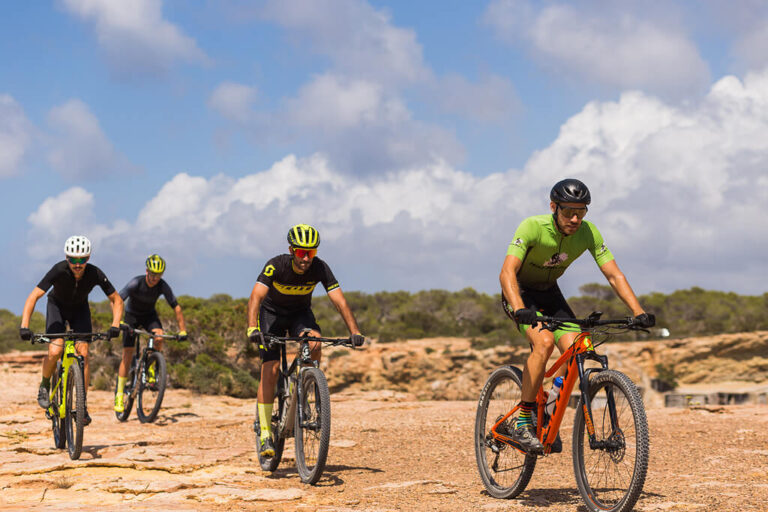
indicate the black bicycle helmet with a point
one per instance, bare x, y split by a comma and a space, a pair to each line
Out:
570, 191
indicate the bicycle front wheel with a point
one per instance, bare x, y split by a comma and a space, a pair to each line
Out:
611, 474
151, 387
505, 471
57, 422
313, 426
74, 419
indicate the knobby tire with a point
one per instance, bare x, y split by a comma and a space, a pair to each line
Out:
504, 474
75, 416
313, 437
612, 479
150, 400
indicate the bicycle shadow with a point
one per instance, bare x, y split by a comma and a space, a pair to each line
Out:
169, 419
544, 498
93, 450
329, 478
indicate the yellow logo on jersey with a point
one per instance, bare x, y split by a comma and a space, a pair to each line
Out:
269, 270
294, 289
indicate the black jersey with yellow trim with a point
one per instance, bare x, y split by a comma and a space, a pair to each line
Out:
289, 290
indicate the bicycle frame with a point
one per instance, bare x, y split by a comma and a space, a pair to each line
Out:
580, 351
68, 358
139, 356
294, 394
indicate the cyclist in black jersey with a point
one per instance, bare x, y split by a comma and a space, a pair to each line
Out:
281, 301
72, 281
542, 248
140, 295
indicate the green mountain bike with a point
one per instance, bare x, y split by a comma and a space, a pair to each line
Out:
147, 378
68, 393
302, 409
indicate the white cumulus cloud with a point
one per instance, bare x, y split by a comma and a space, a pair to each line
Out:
613, 47
359, 39
15, 135
234, 101
135, 36
79, 147
677, 193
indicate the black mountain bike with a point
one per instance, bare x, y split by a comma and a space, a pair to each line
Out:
68, 393
146, 378
302, 409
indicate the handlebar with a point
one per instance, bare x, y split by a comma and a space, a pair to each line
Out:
332, 341
629, 323
75, 336
130, 330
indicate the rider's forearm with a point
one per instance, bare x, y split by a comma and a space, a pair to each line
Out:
511, 290
180, 318
117, 309
253, 311
29, 306
349, 319
621, 286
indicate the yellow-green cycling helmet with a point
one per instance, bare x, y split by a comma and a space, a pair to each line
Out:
303, 236
156, 264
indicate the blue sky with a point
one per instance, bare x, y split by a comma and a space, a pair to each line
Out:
414, 135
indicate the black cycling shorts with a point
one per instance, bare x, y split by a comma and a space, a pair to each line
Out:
57, 316
549, 302
148, 321
278, 323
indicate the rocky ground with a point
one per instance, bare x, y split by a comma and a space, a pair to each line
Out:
390, 450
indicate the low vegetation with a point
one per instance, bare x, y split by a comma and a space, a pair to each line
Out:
218, 359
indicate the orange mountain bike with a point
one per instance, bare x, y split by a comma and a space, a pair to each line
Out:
610, 431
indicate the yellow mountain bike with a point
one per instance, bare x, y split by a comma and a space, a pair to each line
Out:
68, 393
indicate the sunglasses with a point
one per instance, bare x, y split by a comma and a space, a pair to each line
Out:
77, 261
301, 253
156, 275
569, 212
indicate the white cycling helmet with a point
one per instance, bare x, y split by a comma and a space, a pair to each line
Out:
77, 246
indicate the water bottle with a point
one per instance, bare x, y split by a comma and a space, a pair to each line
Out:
553, 394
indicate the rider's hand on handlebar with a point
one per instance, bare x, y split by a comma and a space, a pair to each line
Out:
25, 333
645, 320
357, 340
182, 335
113, 332
526, 316
257, 337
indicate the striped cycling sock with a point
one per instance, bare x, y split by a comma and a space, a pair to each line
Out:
525, 419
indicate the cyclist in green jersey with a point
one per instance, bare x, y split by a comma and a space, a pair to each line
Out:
281, 301
542, 249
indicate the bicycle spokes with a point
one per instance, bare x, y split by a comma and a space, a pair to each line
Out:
612, 463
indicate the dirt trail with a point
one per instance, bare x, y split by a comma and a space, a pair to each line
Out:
385, 455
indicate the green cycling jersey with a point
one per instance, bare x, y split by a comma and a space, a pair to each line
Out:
546, 252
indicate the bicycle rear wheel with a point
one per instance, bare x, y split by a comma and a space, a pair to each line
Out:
57, 422
505, 471
127, 395
611, 476
74, 418
278, 409
313, 427
152, 379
